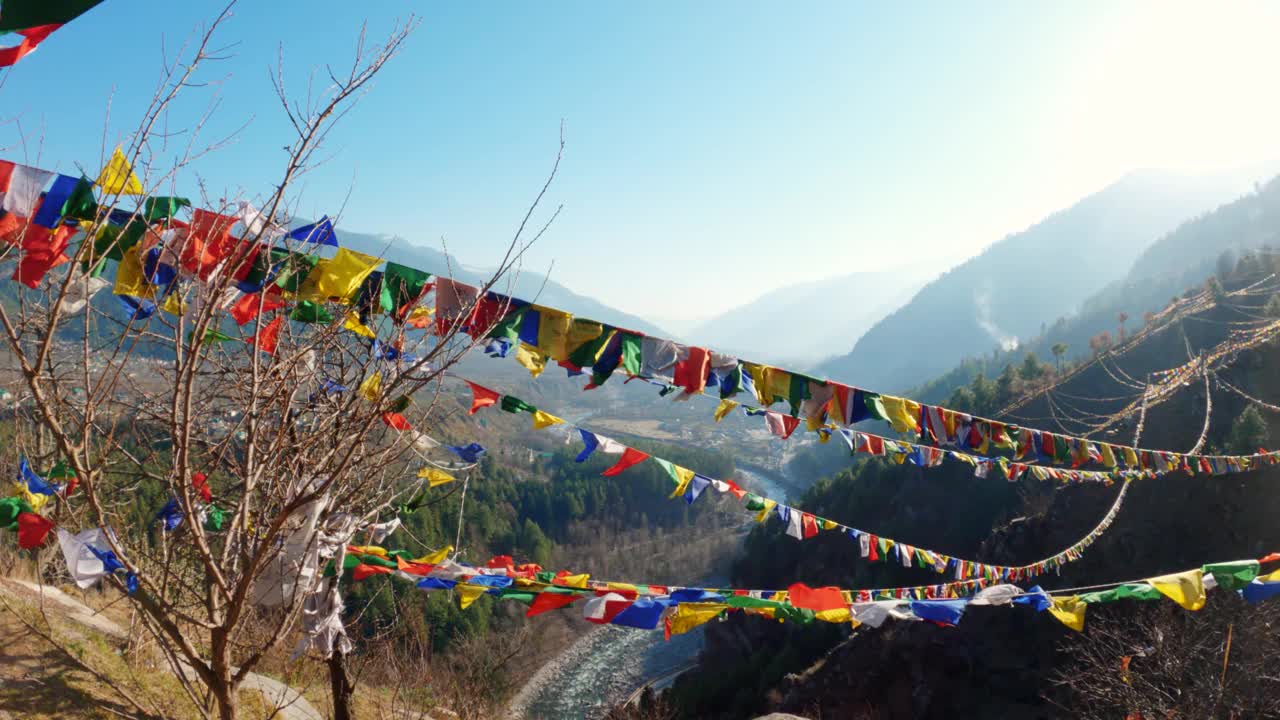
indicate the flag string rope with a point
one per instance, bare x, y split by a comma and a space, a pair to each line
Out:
800, 524
541, 333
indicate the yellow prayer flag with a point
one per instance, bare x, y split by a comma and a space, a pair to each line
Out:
35, 500
117, 177
338, 277
353, 324
690, 615
1273, 576
435, 477
543, 420
1184, 588
371, 387
1130, 457
531, 359
580, 333
577, 581
1108, 457
685, 475
628, 587
420, 314
830, 525
467, 594
724, 408
174, 305
369, 550
436, 557
764, 514
1070, 611
835, 615
553, 333
129, 276
904, 415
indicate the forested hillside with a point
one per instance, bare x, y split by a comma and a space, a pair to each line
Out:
1018, 664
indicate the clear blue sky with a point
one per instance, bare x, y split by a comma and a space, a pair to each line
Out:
715, 150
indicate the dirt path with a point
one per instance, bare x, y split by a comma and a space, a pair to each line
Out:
291, 704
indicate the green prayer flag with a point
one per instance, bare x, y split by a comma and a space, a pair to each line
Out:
310, 312
162, 208
516, 405
544, 576
587, 354
746, 602
509, 326
1061, 450
60, 472
631, 353
1129, 591
403, 284
22, 14
798, 393
1233, 575
10, 508
81, 205
294, 270
213, 518
401, 404
875, 405
520, 595
732, 383
755, 502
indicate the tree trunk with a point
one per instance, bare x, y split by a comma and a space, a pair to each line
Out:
340, 686
225, 698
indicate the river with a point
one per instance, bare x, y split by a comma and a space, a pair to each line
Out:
609, 663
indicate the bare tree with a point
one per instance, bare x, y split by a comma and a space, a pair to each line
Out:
275, 451
1156, 660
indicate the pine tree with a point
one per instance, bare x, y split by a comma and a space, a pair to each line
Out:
1248, 432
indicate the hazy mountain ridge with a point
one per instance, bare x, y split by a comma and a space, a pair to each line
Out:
798, 325
1045, 271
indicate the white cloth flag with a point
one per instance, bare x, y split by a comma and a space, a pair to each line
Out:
85, 567
873, 614
380, 531
79, 292
23, 190
996, 595
794, 526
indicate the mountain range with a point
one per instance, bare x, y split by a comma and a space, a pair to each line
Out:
1003, 295
798, 325
526, 285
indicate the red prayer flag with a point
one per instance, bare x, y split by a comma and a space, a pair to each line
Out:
32, 530
396, 421
1269, 558
735, 489
808, 524
363, 571
816, 599
71, 486
691, 373
31, 37
630, 456
874, 542
246, 308
547, 601
266, 338
419, 569
481, 397
500, 561
200, 482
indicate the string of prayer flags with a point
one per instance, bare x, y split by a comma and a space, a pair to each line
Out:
803, 525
